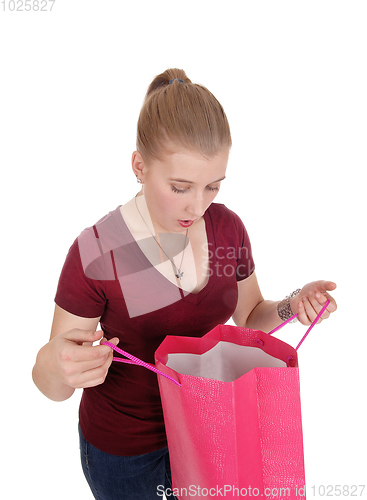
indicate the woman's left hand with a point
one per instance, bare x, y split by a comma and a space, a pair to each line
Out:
309, 302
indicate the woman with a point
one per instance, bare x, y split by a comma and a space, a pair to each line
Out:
170, 261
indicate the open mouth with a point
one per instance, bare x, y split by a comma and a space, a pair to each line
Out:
186, 223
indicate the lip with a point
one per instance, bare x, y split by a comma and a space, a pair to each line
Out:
186, 223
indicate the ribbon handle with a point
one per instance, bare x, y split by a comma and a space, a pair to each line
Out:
310, 327
132, 360
136, 361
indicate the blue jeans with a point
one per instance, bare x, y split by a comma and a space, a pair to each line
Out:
112, 477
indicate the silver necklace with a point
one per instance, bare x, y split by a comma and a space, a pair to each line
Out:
177, 270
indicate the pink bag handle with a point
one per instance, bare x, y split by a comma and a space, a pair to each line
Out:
311, 326
132, 360
136, 361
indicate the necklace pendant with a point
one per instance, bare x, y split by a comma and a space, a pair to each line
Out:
179, 275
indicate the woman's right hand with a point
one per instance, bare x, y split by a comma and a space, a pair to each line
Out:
71, 359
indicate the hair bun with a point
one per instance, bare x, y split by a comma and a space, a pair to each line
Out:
165, 78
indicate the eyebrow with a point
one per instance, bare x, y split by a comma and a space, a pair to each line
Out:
190, 182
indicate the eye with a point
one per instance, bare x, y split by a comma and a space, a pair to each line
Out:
176, 190
209, 188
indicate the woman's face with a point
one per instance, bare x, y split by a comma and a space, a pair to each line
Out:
179, 187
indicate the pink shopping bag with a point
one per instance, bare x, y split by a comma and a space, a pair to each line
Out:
232, 411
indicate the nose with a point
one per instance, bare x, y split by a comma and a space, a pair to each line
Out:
196, 208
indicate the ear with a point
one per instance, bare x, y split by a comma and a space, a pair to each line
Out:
137, 165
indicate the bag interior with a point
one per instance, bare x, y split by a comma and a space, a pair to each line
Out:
225, 362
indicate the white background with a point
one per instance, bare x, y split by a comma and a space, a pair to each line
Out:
292, 78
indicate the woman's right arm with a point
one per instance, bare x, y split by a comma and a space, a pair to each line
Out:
69, 360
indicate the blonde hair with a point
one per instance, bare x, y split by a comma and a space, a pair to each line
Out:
176, 111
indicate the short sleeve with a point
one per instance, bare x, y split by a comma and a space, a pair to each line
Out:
245, 262
76, 292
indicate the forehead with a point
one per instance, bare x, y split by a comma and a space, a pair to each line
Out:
193, 166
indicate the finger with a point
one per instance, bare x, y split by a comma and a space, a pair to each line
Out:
80, 336
114, 341
86, 366
324, 297
317, 301
90, 378
321, 298
93, 376
103, 339
79, 353
302, 316
77, 374
310, 311
332, 306
325, 286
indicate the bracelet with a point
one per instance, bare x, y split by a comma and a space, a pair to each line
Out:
284, 307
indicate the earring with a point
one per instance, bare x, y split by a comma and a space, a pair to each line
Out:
138, 180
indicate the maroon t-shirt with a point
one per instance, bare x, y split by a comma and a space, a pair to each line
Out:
106, 274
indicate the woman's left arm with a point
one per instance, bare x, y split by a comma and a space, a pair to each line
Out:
254, 312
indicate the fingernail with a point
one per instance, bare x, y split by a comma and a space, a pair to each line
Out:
318, 295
